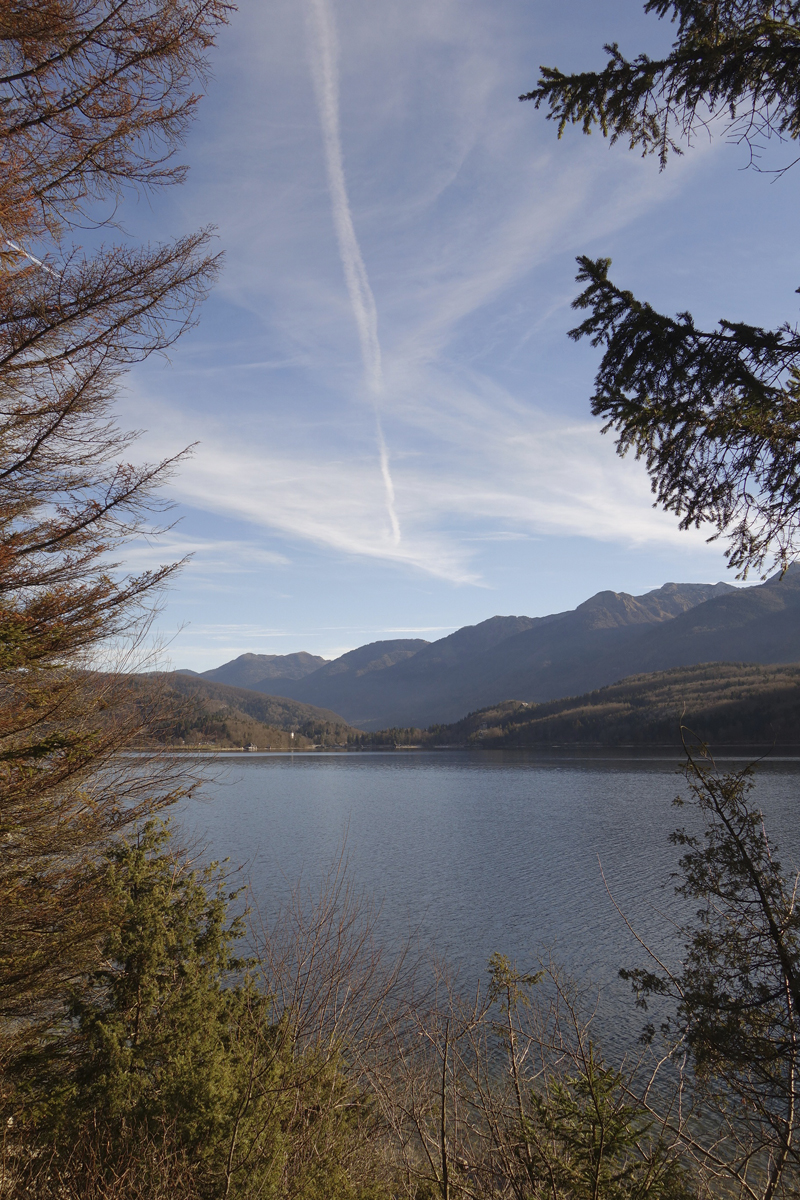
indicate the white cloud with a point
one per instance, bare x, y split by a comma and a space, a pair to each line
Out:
462, 201
226, 556
472, 461
324, 57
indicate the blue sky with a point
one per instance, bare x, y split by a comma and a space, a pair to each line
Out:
394, 430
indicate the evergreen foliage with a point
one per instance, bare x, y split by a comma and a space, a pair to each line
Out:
734, 57
174, 1044
736, 993
582, 1134
156, 1020
585, 1138
714, 414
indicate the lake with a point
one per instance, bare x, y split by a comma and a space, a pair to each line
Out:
480, 852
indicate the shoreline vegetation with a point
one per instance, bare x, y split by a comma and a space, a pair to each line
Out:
724, 704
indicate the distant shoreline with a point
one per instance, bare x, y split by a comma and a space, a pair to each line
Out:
576, 750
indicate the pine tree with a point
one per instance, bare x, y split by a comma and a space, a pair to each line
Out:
714, 414
173, 1051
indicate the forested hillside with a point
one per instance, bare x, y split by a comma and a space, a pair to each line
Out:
200, 714
724, 704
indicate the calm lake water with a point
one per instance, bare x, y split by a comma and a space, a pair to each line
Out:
481, 852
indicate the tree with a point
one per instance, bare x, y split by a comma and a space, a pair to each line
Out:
149, 1035
126, 1048
503, 1093
736, 996
224, 1075
94, 100
714, 414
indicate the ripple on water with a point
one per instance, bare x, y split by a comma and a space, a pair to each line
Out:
480, 852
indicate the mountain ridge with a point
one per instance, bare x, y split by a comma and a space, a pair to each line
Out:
547, 657
249, 668
611, 636
411, 682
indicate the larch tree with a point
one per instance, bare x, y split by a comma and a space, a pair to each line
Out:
95, 97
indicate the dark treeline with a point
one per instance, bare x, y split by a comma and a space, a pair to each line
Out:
726, 704
388, 738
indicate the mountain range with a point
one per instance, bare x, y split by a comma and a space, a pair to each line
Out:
411, 682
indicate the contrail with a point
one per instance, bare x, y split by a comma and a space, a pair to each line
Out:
322, 34
7, 242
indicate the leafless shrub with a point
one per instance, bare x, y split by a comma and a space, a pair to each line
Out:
128, 1166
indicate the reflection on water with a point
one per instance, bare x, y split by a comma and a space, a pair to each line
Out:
478, 852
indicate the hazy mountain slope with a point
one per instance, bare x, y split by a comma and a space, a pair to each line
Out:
559, 655
354, 675
376, 656
591, 646
279, 711
528, 657
722, 703
375, 684
468, 642
250, 669
757, 624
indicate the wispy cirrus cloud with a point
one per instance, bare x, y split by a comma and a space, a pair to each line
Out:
472, 465
400, 232
226, 556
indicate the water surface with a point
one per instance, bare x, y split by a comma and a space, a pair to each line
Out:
482, 852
